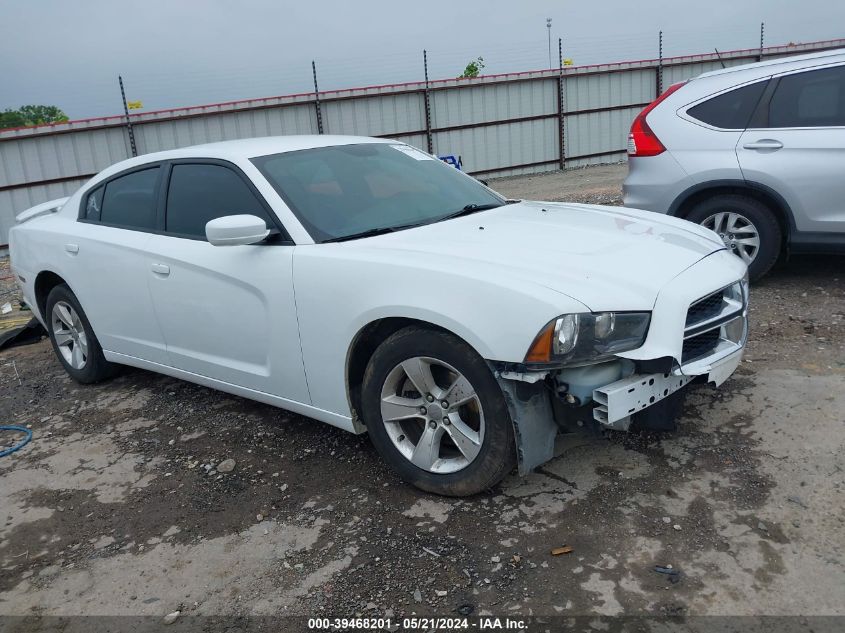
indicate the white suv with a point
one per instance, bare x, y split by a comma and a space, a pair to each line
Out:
755, 153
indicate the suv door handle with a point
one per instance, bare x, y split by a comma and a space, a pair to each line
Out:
764, 143
73, 249
161, 269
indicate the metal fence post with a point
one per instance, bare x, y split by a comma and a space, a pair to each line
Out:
427, 98
660, 64
318, 109
128, 122
560, 105
762, 28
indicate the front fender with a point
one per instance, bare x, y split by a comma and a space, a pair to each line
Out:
335, 299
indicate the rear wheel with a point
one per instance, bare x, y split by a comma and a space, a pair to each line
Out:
436, 414
747, 227
74, 342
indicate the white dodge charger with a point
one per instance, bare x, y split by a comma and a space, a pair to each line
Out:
366, 284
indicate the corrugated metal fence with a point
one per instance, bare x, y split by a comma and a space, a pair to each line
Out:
500, 125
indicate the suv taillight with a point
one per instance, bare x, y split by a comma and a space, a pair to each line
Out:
642, 141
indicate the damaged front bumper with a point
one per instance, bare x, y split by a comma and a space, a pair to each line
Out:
618, 402
708, 347
535, 404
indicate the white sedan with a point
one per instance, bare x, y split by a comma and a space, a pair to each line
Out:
366, 284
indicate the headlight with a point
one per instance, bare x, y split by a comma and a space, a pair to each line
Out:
588, 338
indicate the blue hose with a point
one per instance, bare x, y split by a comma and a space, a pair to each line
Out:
19, 445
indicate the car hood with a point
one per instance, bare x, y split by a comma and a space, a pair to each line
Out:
608, 258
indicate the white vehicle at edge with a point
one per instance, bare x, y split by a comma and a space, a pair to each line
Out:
365, 284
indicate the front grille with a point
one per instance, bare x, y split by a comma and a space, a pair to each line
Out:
700, 345
707, 330
705, 309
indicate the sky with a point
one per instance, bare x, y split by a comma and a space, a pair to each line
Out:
174, 53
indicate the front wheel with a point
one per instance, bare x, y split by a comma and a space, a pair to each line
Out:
748, 228
436, 414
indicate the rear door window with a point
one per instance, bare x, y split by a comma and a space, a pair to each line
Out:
810, 99
730, 110
129, 201
199, 193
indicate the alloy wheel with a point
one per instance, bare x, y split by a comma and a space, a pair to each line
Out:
432, 415
738, 233
69, 335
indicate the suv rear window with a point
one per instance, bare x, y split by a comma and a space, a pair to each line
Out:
809, 99
730, 110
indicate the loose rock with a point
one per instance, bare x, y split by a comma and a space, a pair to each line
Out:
170, 618
226, 466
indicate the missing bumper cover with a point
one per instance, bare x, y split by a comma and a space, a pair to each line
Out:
618, 401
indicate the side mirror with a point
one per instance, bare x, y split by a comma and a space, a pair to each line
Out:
234, 230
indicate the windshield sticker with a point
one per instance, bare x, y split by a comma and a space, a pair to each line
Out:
413, 152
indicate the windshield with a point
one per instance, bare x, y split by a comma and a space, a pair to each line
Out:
344, 190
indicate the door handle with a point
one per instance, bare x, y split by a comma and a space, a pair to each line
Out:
161, 269
764, 143
73, 249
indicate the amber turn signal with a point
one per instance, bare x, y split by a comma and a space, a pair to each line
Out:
541, 349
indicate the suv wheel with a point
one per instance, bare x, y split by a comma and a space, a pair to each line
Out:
436, 414
747, 227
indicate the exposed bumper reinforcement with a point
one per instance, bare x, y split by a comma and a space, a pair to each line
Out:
619, 400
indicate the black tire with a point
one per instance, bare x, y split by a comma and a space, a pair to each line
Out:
96, 367
758, 214
497, 454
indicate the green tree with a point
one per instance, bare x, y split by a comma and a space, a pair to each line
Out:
11, 118
31, 115
473, 68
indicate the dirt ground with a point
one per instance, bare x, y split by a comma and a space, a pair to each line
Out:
117, 506
600, 184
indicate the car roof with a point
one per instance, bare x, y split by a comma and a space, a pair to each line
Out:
776, 65
240, 149
263, 146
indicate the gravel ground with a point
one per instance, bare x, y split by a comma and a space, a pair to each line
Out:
120, 504
601, 184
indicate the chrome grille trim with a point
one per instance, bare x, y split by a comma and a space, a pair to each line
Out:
730, 308
713, 329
